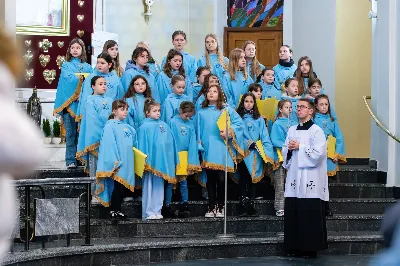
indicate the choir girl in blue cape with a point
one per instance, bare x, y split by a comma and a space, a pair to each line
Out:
104, 68
213, 57
111, 47
158, 143
173, 67
286, 67
303, 73
212, 145
115, 166
329, 124
67, 95
278, 136
253, 168
267, 81
201, 73
291, 94
254, 67
236, 80
138, 91
137, 66
209, 80
154, 67
185, 137
189, 61
315, 89
96, 112
174, 99
257, 90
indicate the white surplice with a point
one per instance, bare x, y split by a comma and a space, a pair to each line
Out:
307, 168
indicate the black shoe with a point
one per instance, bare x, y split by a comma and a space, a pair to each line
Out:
114, 216
121, 216
168, 212
251, 209
184, 211
242, 207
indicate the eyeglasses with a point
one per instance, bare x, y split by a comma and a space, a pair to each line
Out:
301, 107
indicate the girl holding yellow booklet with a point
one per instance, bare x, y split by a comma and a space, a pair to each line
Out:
189, 163
278, 136
258, 153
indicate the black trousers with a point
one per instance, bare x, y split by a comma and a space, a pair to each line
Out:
116, 196
216, 188
245, 182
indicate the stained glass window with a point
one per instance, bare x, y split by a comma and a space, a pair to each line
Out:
255, 13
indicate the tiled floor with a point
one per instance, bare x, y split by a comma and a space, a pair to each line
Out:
359, 260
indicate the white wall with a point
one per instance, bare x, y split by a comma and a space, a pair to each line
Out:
309, 26
195, 18
385, 87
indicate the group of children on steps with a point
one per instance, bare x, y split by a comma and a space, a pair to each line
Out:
165, 110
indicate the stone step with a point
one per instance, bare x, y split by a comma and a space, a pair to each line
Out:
104, 228
265, 190
264, 207
128, 251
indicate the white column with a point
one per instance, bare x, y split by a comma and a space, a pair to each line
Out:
8, 14
220, 19
288, 22
385, 81
304, 23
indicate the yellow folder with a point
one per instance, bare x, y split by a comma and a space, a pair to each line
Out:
280, 156
183, 163
140, 161
261, 151
221, 123
269, 108
82, 74
331, 147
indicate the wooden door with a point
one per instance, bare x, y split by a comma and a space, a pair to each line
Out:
267, 40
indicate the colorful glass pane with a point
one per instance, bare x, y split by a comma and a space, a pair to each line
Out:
255, 13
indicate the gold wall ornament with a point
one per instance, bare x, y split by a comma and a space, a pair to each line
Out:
60, 60
80, 17
81, 3
49, 75
45, 45
29, 74
80, 33
58, 18
44, 59
28, 43
60, 44
28, 57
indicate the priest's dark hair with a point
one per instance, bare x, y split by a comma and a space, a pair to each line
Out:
242, 111
310, 102
324, 96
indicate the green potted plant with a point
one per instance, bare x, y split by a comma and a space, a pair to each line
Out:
46, 131
56, 132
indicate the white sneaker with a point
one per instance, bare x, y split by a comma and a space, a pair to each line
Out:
95, 200
220, 213
210, 214
280, 213
159, 216
71, 166
152, 217
127, 199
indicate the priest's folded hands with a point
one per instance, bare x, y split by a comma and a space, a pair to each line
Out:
293, 145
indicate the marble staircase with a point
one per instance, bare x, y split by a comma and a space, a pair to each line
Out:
359, 197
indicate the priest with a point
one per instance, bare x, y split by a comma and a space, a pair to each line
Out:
306, 187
